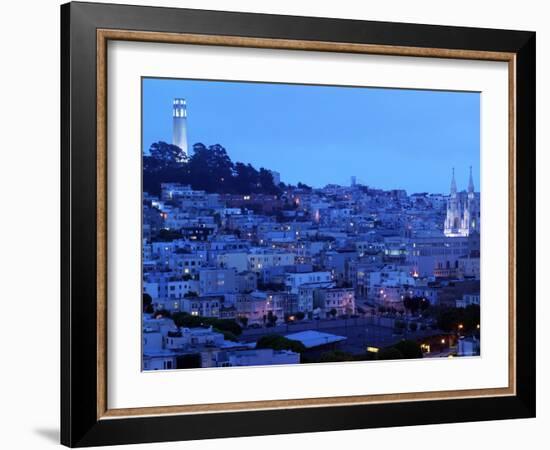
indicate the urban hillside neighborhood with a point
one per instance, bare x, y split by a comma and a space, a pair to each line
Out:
243, 269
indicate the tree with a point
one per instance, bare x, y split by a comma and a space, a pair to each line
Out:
399, 325
147, 303
183, 319
388, 353
424, 304
414, 304
333, 312
336, 356
167, 154
165, 235
227, 335
266, 182
409, 349
208, 168
413, 326
190, 361
271, 286
223, 325
162, 313
246, 178
449, 319
471, 319
243, 320
271, 318
278, 342
190, 294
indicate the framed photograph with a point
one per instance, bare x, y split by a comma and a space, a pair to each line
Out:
276, 224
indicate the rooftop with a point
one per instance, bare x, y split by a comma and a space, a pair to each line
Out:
312, 338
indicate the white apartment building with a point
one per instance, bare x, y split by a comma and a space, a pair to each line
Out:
259, 259
342, 300
293, 281
202, 306
217, 281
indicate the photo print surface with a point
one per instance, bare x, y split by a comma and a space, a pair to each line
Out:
296, 224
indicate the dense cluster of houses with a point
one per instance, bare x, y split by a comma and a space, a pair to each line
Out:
308, 254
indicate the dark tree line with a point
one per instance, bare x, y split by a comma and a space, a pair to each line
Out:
450, 319
228, 327
278, 342
415, 304
208, 168
404, 349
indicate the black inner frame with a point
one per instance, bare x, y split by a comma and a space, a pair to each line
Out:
79, 423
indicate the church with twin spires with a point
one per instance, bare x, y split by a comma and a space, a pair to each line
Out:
463, 211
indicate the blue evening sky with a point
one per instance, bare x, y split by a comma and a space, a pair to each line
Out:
387, 138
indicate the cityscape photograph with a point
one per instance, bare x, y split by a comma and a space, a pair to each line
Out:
297, 224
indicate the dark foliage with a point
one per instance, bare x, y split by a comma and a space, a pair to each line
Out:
409, 349
271, 286
166, 155
389, 353
271, 318
182, 319
278, 342
415, 304
209, 169
404, 349
165, 235
227, 335
191, 361
162, 313
147, 303
449, 319
336, 356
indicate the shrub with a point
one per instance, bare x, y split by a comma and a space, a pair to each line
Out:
389, 353
409, 349
278, 342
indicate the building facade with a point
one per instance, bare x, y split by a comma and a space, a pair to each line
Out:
463, 212
179, 131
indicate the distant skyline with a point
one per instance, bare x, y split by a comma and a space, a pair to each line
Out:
318, 135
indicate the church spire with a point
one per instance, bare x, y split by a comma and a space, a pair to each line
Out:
471, 182
453, 184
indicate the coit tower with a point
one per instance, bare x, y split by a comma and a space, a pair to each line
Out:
179, 132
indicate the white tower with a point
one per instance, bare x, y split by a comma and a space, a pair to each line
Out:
179, 132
